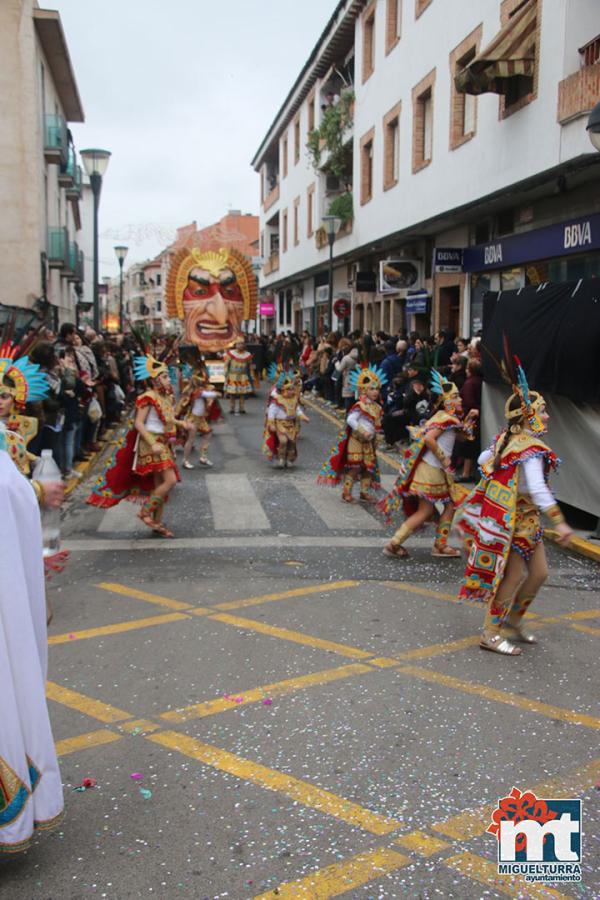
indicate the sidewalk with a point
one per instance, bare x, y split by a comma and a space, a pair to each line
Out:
85, 467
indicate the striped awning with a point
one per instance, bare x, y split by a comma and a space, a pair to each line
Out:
511, 54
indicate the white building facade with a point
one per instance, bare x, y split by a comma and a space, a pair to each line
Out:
41, 182
451, 192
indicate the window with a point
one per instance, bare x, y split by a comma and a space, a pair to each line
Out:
463, 110
284, 154
311, 114
420, 7
262, 244
523, 88
284, 231
393, 24
310, 212
296, 221
297, 141
159, 306
422, 98
366, 166
262, 184
368, 45
391, 147
158, 279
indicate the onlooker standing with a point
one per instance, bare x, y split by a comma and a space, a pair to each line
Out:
345, 366
470, 392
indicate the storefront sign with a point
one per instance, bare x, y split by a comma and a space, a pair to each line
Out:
267, 310
398, 274
417, 303
448, 259
575, 236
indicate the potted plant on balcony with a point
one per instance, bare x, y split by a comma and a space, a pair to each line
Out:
329, 136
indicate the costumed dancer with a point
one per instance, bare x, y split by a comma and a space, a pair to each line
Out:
143, 463
21, 381
282, 421
238, 375
195, 406
507, 562
354, 457
425, 478
31, 795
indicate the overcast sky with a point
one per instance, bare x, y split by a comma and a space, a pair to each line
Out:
181, 92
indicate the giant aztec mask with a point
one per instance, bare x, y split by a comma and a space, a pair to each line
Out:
212, 292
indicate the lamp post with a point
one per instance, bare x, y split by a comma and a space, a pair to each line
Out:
121, 254
332, 225
593, 126
95, 163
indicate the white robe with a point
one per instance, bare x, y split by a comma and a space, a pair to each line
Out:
31, 794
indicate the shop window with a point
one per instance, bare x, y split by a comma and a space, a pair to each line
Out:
368, 45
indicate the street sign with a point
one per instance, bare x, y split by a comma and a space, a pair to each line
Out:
267, 310
342, 308
447, 259
417, 302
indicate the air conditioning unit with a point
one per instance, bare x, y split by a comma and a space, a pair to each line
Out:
332, 184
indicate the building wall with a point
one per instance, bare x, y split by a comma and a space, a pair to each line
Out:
504, 149
30, 195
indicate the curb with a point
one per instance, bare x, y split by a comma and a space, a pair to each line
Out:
577, 545
86, 466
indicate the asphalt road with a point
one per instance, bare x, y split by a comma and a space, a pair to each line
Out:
270, 707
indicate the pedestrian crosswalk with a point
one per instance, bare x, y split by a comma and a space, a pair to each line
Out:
234, 503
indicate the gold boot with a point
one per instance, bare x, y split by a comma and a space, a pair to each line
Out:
347, 491
394, 548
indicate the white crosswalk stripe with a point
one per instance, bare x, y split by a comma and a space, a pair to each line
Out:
235, 506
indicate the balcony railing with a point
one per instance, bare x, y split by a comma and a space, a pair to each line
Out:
67, 171
58, 248
73, 269
73, 191
272, 264
56, 140
321, 239
271, 198
578, 93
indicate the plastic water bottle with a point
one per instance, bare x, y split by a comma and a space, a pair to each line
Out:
46, 470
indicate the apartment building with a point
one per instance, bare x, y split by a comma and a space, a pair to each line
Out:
449, 138
41, 184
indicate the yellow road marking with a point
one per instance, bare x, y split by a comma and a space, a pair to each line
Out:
143, 726
104, 712
473, 822
421, 843
297, 637
488, 693
440, 649
119, 627
307, 794
384, 662
283, 595
486, 873
143, 595
341, 877
222, 704
587, 628
83, 741
583, 614
427, 592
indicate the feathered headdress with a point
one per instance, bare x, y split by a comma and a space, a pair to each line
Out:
530, 402
282, 376
442, 389
147, 367
29, 383
369, 377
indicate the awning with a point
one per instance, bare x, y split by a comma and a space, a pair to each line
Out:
510, 55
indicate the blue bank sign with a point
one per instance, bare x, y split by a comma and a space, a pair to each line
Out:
416, 302
575, 236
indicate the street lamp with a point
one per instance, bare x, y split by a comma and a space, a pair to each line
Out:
332, 226
593, 126
121, 254
95, 163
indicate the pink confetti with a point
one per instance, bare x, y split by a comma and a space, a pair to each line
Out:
71, 637
267, 702
239, 699
137, 776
